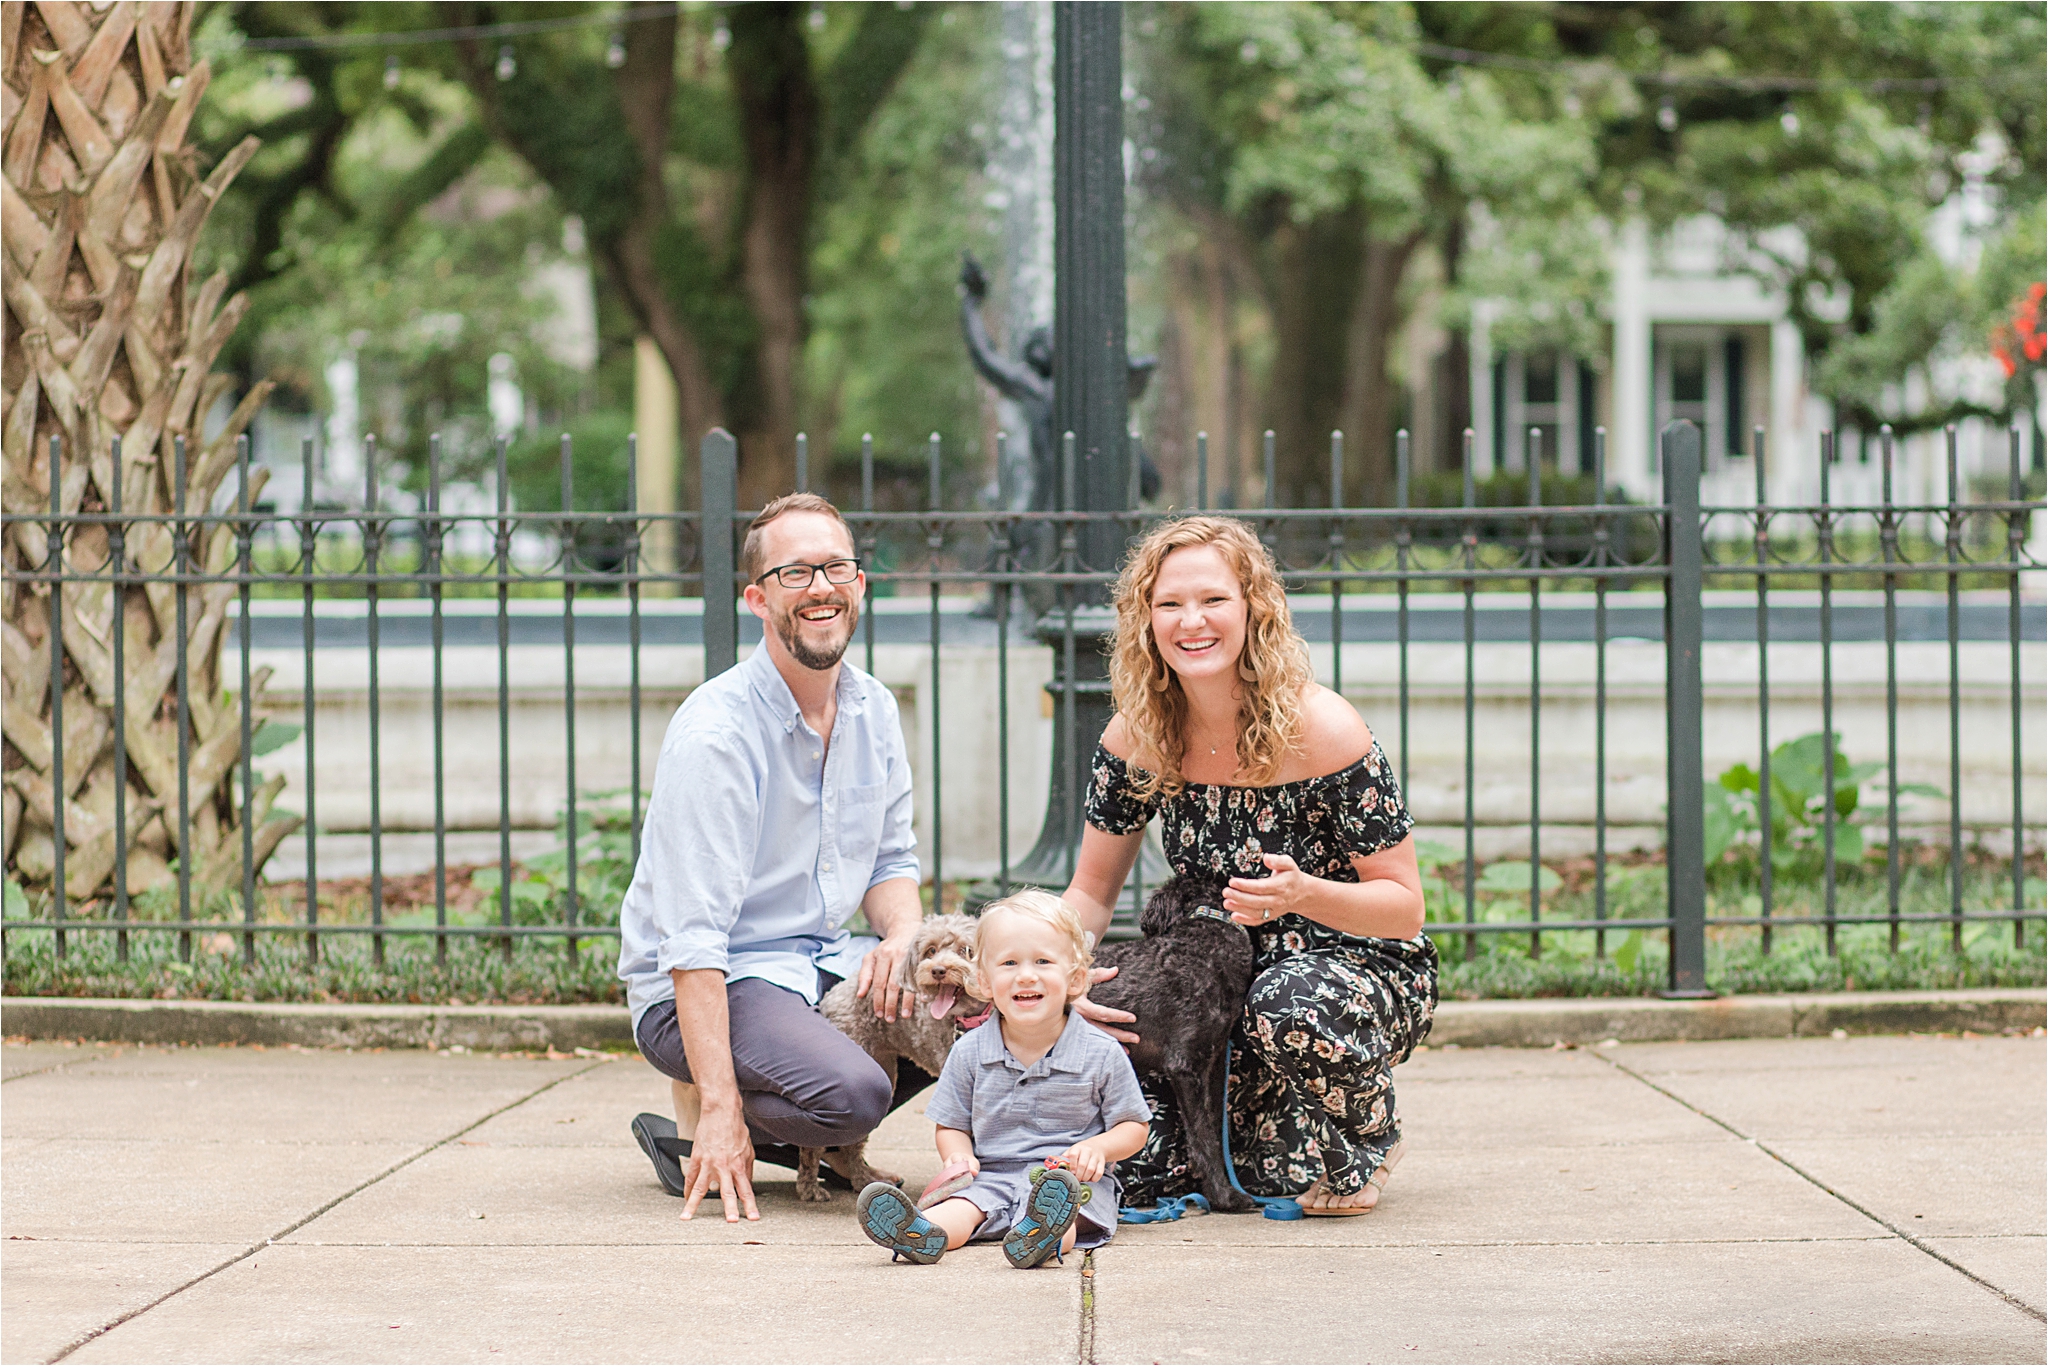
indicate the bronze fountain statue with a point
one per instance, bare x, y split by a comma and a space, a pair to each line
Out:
1028, 382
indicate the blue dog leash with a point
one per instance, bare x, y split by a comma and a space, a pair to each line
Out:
1167, 1210
1275, 1206
1174, 1207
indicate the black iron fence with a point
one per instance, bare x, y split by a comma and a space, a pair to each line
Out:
1398, 582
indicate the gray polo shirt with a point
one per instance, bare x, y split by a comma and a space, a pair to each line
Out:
1016, 1115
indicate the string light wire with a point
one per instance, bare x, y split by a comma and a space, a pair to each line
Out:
417, 37
1464, 56
1460, 55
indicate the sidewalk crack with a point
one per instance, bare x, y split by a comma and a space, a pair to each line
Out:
1085, 1350
57, 1066
1807, 1176
298, 1224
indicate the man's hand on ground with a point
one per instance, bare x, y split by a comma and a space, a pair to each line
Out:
881, 974
722, 1156
1103, 1017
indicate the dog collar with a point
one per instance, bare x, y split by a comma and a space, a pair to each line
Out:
1212, 913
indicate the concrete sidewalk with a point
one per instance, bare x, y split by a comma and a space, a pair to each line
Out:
1861, 1199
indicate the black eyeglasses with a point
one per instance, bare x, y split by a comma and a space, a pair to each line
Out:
798, 576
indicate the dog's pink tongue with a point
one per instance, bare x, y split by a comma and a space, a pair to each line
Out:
942, 1002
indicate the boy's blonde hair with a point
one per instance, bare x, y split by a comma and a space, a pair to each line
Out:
1034, 904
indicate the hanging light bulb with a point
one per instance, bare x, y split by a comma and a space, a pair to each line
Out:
1789, 121
721, 38
615, 51
1667, 115
391, 73
508, 65
817, 18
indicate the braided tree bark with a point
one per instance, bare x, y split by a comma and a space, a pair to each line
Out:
108, 337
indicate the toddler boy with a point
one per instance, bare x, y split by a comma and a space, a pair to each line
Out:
1034, 1107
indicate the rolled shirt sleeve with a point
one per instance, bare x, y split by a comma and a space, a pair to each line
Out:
697, 850
1122, 1097
896, 855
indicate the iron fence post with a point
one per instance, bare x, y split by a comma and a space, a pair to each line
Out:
1685, 778
718, 466
243, 533
59, 788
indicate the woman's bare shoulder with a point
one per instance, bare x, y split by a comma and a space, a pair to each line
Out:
1332, 731
1116, 738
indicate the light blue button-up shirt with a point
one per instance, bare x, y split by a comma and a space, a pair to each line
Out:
761, 840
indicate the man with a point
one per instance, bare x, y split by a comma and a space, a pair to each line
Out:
781, 805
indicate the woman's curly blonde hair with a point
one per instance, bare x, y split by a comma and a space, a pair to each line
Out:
1274, 665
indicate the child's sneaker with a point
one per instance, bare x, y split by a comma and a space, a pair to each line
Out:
889, 1220
1056, 1198
954, 1177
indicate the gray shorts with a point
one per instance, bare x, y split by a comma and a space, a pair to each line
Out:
1000, 1196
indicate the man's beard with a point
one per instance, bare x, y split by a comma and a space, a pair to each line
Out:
787, 628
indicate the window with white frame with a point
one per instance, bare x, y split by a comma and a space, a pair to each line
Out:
1551, 394
1702, 375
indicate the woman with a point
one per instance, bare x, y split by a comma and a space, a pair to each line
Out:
1264, 777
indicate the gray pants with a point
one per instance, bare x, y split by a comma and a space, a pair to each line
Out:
801, 1081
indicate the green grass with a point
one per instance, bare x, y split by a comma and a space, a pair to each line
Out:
540, 973
1634, 964
1737, 964
475, 972
1571, 962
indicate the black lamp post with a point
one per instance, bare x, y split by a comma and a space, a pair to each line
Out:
1091, 400
1091, 393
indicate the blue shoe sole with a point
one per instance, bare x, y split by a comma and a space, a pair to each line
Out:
1055, 1201
890, 1220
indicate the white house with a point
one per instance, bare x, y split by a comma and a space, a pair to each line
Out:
1689, 338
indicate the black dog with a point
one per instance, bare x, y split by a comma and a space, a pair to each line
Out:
1186, 982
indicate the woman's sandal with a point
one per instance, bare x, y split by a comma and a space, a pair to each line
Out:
1378, 1181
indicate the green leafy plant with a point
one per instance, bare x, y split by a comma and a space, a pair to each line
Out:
1498, 885
1799, 803
604, 866
272, 735
1438, 895
1508, 881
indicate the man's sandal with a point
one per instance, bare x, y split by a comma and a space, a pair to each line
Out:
656, 1135
889, 1220
1049, 1211
1378, 1181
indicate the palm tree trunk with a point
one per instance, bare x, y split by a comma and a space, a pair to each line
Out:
113, 342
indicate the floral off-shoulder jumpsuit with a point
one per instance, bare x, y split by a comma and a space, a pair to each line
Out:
1328, 1015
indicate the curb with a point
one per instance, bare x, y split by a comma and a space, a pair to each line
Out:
1464, 1024
1584, 1021
495, 1029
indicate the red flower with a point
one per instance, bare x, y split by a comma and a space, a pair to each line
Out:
2021, 337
